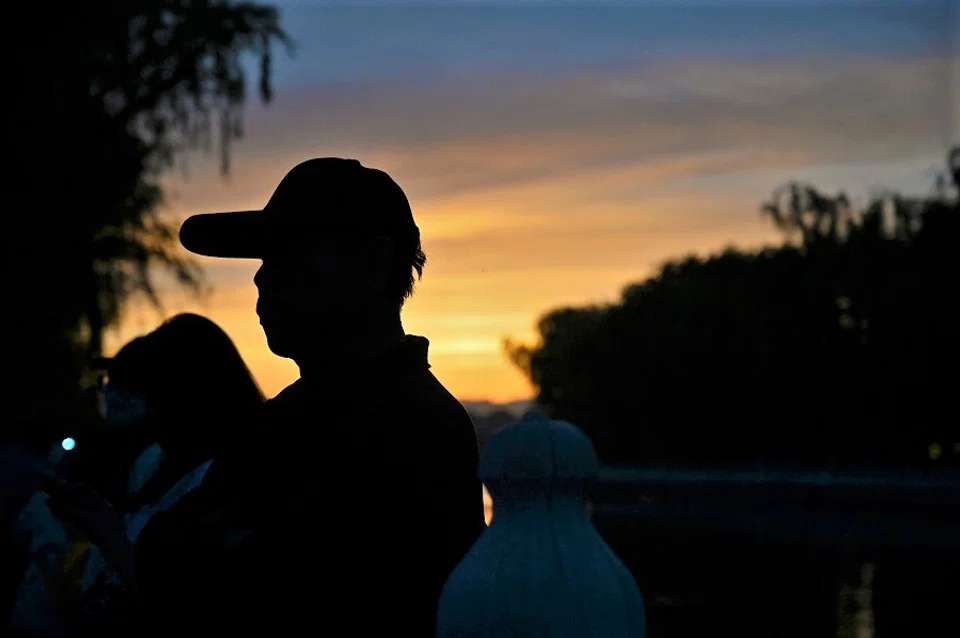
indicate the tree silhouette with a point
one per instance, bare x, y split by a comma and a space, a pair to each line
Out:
834, 348
110, 93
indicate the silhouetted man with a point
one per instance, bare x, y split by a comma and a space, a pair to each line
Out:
370, 465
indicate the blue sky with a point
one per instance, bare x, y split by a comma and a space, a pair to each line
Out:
361, 43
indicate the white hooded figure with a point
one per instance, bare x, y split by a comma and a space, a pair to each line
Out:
540, 569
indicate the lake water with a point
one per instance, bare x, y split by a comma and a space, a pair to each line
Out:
694, 588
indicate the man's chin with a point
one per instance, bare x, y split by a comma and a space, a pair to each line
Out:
280, 348
291, 340
278, 345
283, 354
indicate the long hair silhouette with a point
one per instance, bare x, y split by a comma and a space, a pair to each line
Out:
191, 375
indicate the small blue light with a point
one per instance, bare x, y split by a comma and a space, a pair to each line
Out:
68, 444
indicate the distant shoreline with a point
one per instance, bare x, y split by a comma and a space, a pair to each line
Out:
486, 408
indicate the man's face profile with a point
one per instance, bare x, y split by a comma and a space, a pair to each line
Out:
304, 294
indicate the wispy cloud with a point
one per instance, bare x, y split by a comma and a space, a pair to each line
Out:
443, 137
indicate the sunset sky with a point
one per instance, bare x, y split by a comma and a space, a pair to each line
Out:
552, 155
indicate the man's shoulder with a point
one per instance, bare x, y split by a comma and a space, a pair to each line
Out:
432, 410
418, 401
424, 392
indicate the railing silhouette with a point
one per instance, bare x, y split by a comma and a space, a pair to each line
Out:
869, 510
866, 508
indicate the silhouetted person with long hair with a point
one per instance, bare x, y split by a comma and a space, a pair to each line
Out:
188, 386
369, 464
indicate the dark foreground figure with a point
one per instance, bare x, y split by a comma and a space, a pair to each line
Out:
348, 506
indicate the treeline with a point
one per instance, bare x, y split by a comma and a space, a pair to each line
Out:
840, 347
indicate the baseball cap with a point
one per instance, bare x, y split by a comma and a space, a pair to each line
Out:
321, 196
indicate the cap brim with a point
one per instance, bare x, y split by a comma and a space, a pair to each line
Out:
236, 235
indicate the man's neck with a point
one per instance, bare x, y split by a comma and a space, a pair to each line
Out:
366, 342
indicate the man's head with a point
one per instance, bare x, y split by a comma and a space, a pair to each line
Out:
339, 248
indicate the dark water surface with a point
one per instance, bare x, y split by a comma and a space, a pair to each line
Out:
792, 562
788, 560
748, 593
